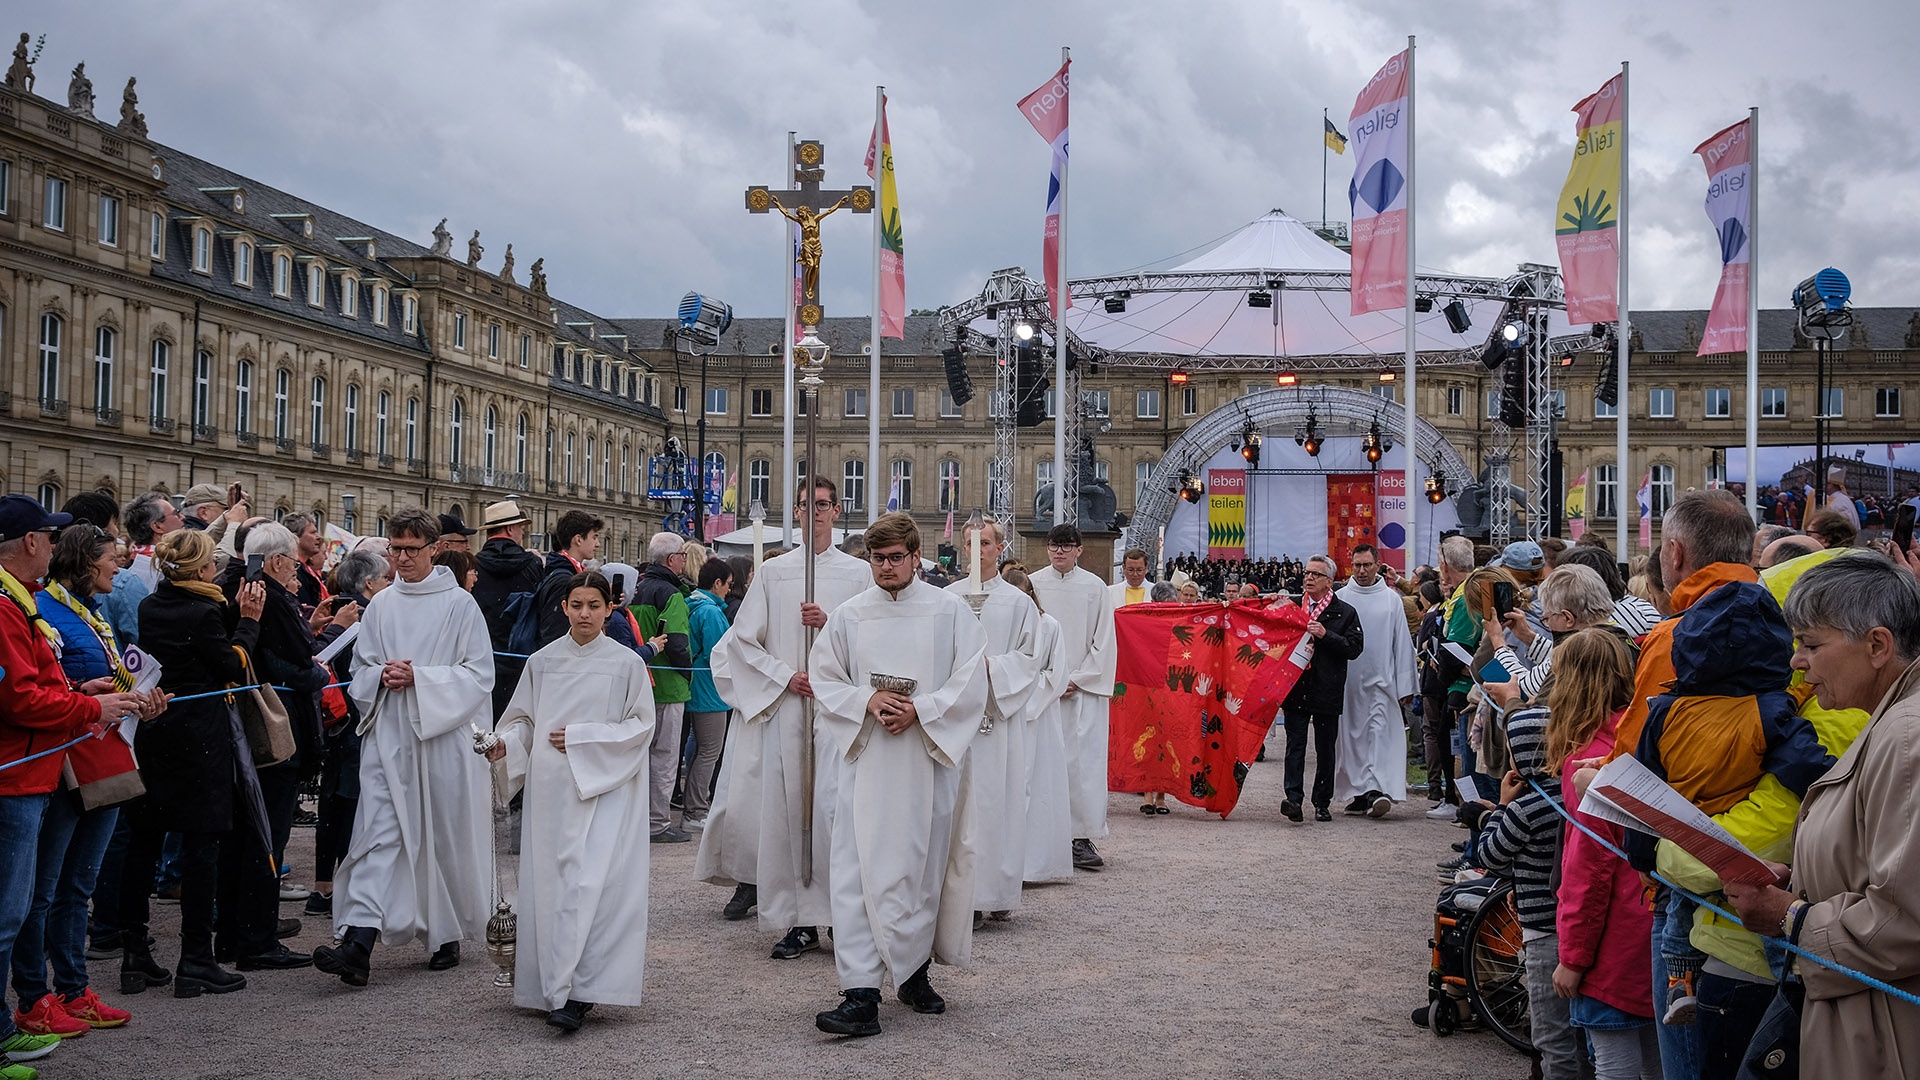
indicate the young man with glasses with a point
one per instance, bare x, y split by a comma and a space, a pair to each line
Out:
421, 863
753, 839
1079, 601
1334, 635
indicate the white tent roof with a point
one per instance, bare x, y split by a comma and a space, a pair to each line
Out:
1301, 323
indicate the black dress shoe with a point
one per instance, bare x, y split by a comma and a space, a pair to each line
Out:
278, 958
203, 976
349, 960
800, 939
858, 1014
445, 958
1085, 857
287, 928
1321, 813
1291, 811
918, 994
570, 1016
745, 897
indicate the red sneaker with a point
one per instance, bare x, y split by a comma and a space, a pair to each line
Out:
48, 1018
87, 1008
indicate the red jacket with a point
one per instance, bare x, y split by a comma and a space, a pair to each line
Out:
38, 710
1604, 922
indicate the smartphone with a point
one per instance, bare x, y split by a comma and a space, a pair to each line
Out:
1903, 527
256, 566
619, 587
235, 493
1502, 599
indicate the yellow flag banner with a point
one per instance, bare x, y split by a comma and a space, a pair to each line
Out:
1226, 513
1586, 222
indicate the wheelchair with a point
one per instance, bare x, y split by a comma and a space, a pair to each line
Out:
1476, 947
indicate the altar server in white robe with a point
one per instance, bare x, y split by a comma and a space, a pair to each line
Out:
421, 863
1370, 762
994, 784
902, 884
753, 838
576, 737
1049, 824
1084, 609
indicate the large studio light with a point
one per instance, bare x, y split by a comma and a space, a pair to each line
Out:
704, 319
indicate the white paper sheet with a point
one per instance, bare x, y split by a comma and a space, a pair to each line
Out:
1630, 788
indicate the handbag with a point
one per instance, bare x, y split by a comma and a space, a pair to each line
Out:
1774, 1053
102, 772
263, 717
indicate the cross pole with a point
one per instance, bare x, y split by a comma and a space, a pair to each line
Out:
805, 204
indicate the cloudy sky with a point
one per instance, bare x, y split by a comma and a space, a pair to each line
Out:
615, 137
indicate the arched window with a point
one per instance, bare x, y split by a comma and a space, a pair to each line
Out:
411, 429
949, 486
203, 250
282, 390
317, 415
900, 485
549, 455
282, 274
606, 469
456, 442
50, 328
520, 445
50, 497
104, 341
589, 461
202, 391
853, 489
626, 469
489, 437
157, 398
243, 264
243, 398
760, 483
569, 475
351, 437
382, 404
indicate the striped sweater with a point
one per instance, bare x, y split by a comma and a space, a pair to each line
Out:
1521, 840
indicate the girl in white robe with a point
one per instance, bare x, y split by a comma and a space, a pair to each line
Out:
576, 735
1049, 824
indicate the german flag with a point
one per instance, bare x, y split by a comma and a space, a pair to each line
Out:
1336, 142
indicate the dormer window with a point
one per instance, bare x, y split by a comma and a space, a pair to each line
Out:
282, 274
232, 196
243, 262
410, 314
203, 250
316, 283
349, 296
304, 222
379, 305
363, 244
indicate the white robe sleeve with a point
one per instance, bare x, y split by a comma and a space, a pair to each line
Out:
363, 674
949, 715
1015, 676
1095, 673
838, 702
515, 727
746, 673
449, 695
606, 754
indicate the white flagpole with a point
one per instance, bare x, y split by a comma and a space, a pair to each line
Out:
1061, 404
786, 350
873, 334
1753, 315
1411, 444
1623, 329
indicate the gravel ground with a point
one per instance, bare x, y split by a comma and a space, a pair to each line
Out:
1249, 947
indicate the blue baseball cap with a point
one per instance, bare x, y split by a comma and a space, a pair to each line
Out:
20, 515
1523, 555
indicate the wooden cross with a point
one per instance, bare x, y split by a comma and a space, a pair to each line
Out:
806, 204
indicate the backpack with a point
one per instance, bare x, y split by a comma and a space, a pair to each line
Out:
522, 618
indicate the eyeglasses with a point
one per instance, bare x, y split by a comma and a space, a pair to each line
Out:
1315, 573
894, 559
825, 504
1063, 547
408, 550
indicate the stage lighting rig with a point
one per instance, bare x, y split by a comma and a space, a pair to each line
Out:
1436, 490
1308, 437
1023, 330
1458, 320
1371, 444
1259, 298
1117, 303
1250, 445
1286, 379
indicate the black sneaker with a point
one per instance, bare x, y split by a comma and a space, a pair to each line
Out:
318, 905
1291, 811
800, 939
858, 1014
351, 960
1321, 813
1085, 857
670, 835
1379, 805
918, 994
1358, 805
745, 898
445, 958
570, 1016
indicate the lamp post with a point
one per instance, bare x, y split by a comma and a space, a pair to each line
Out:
702, 320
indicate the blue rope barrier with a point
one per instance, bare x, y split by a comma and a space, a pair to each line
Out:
54, 750
1831, 965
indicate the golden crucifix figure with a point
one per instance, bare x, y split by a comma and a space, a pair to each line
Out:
810, 248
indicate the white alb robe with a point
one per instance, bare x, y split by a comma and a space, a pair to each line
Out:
753, 825
994, 784
584, 832
421, 862
1049, 836
1371, 752
902, 885
1084, 609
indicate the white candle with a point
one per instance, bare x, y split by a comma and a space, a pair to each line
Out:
758, 543
973, 575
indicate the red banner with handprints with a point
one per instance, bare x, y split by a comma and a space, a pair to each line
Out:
1195, 688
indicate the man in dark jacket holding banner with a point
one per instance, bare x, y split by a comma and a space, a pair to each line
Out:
1333, 638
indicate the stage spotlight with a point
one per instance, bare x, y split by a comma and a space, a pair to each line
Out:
1286, 378
1193, 490
1371, 444
1250, 447
1387, 375
1423, 303
1312, 446
1260, 298
1436, 491
1510, 333
1117, 303
1023, 331
1457, 319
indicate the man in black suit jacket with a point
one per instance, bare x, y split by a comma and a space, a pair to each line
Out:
1334, 628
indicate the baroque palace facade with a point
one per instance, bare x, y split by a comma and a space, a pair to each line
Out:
165, 321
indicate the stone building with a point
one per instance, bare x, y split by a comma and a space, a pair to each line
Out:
165, 322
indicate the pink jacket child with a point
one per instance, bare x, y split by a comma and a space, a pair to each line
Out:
1604, 922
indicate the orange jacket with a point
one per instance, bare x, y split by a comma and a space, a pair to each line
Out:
1655, 671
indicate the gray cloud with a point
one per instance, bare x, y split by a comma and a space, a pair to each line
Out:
615, 138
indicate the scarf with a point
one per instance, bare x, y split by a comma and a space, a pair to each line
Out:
205, 590
23, 596
1314, 608
122, 678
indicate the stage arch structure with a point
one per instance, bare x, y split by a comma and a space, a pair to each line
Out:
1287, 510
1196, 317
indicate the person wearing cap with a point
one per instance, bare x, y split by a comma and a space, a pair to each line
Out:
39, 711
505, 568
453, 534
1838, 500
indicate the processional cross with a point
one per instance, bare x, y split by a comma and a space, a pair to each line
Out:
806, 206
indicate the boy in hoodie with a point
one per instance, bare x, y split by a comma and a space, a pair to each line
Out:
1726, 722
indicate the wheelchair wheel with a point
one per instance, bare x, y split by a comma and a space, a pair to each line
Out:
1496, 972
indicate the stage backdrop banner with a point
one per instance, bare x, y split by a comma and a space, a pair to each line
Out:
1226, 513
1195, 688
1390, 515
1350, 510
